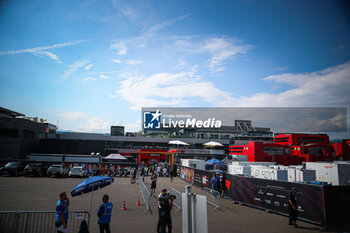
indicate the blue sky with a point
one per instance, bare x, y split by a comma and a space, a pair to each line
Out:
89, 64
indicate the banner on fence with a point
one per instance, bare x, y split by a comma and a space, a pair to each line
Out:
266, 194
274, 195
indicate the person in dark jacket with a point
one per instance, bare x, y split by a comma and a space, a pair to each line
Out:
84, 228
104, 214
293, 208
165, 205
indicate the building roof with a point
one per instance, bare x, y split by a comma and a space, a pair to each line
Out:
10, 113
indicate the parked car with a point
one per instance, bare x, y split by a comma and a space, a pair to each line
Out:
35, 169
78, 171
57, 170
13, 168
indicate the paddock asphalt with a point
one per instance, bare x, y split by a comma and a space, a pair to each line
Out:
42, 193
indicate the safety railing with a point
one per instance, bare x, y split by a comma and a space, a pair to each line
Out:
213, 197
177, 202
38, 221
144, 192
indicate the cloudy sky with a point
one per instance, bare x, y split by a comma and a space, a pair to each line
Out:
92, 63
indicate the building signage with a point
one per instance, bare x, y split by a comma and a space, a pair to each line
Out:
154, 120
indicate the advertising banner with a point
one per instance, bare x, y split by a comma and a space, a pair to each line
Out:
266, 194
202, 178
274, 195
187, 174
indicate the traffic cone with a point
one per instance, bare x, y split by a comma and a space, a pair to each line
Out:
123, 206
138, 201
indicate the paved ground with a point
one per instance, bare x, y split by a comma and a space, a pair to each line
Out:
24, 193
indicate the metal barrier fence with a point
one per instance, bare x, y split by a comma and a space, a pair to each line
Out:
144, 192
213, 197
38, 221
178, 200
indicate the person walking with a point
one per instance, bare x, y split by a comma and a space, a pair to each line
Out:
158, 170
215, 183
165, 171
153, 183
62, 212
171, 174
104, 214
165, 205
293, 208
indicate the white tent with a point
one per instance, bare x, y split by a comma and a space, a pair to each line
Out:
178, 142
115, 156
212, 144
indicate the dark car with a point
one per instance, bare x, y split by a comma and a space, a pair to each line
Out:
35, 169
13, 168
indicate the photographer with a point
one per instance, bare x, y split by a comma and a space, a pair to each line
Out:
165, 205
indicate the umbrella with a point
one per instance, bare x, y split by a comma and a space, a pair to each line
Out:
178, 142
212, 144
115, 156
213, 162
91, 184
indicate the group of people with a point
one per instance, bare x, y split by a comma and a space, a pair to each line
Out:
62, 213
165, 205
161, 169
217, 183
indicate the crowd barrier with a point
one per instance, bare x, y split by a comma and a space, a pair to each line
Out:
213, 197
178, 200
323, 205
38, 221
144, 192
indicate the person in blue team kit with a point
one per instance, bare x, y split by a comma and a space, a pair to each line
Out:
104, 214
215, 182
62, 211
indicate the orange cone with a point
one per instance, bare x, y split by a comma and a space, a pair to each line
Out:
138, 201
123, 206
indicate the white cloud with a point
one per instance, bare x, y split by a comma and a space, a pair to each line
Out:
42, 51
222, 49
88, 79
103, 76
155, 28
133, 127
169, 89
71, 116
120, 47
117, 61
325, 88
69, 121
134, 62
146, 35
73, 68
95, 125
88, 67
219, 49
128, 11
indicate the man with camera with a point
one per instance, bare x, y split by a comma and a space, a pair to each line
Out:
165, 205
